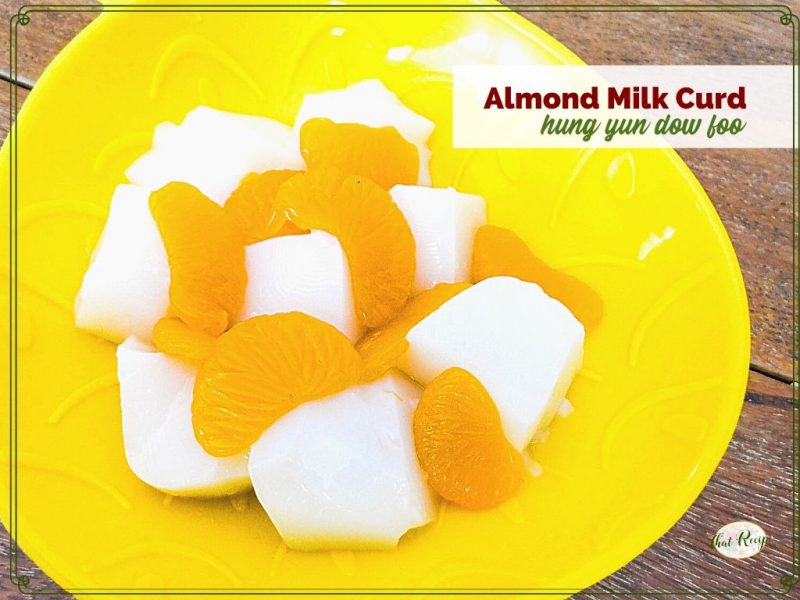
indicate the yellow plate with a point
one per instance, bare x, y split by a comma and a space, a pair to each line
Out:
655, 405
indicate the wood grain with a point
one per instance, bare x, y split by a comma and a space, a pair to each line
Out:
41, 40
752, 192
5, 89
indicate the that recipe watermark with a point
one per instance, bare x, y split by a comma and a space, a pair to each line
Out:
719, 106
738, 540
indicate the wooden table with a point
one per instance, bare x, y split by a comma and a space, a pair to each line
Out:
751, 190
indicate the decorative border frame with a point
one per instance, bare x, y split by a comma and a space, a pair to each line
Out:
23, 18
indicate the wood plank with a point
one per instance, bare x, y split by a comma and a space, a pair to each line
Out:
668, 37
753, 482
40, 40
752, 191
5, 89
763, 387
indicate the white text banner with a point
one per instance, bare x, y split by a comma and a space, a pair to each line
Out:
623, 106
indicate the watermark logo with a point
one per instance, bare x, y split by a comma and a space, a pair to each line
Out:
741, 539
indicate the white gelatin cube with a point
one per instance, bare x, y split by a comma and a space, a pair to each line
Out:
444, 222
521, 344
370, 103
306, 273
126, 288
160, 446
342, 472
213, 150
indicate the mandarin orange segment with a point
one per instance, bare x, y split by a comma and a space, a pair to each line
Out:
260, 370
206, 257
380, 249
498, 251
460, 443
378, 153
307, 199
382, 348
172, 336
373, 232
252, 207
